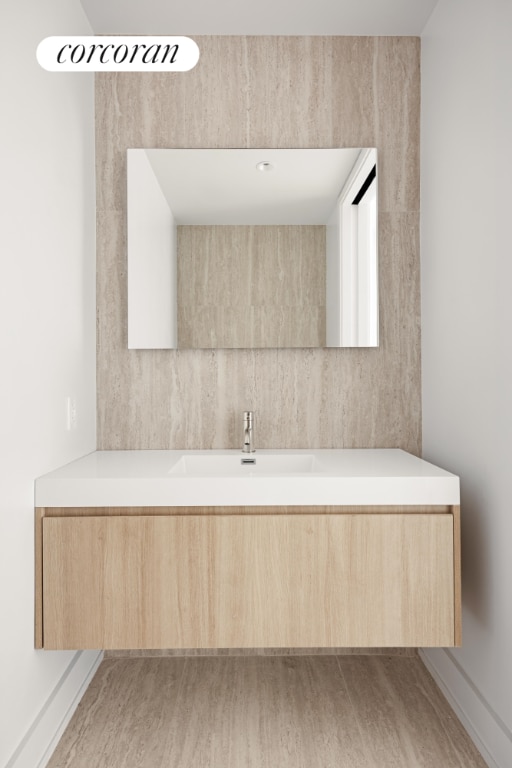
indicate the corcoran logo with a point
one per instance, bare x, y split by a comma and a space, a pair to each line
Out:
120, 53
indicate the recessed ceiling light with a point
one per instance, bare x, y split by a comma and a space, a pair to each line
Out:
265, 166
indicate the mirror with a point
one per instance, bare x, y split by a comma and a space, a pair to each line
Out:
251, 248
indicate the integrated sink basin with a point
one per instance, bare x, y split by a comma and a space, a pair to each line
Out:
246, 464
280, 477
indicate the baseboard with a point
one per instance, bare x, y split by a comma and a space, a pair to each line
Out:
38, 744
489, 733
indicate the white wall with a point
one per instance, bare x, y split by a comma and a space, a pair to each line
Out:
47, 343
467, 344
152, 259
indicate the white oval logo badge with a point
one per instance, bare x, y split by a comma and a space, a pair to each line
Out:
120, 53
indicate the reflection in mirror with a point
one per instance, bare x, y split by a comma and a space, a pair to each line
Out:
245, 248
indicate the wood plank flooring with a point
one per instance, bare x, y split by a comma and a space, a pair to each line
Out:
264, 712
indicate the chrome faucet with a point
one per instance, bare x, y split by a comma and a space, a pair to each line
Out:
248, 446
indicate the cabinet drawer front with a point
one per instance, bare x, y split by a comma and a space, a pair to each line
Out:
238, 581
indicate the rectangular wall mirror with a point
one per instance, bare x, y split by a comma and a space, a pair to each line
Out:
251, 248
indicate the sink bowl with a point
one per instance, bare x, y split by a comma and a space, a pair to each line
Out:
245, 464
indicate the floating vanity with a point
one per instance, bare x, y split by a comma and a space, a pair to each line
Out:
220, 549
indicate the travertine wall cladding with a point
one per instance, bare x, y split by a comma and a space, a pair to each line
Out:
251, 286
261, 92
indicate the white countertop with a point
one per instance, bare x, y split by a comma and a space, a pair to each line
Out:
160, 478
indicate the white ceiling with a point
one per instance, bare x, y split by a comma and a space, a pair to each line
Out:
259, 17
223, 186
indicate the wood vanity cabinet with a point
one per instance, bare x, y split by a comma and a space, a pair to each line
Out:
242, 577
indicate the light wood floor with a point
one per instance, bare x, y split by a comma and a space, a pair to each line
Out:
264, 712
